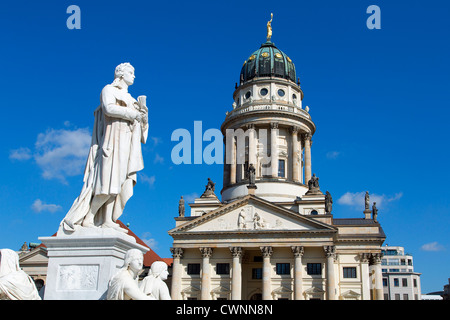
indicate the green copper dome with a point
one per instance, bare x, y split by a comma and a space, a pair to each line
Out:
268, 61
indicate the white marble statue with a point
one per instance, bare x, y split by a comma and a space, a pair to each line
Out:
115, 156
15, 284
154, 284
124, 284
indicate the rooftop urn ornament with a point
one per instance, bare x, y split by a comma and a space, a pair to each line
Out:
115, 156
269, 28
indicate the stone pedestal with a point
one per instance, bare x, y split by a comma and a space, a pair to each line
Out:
81, 264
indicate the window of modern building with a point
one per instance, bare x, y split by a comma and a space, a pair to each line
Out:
396, 282
415, 283
281, 168
383, 262
405, 296
222, 268
386, 296
193, 268
403, 262
314, 268
349, 272
385, 282
283, 268
410, 262
397, 296
257, 273
404, 282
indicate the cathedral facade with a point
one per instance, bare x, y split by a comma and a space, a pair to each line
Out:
272, 235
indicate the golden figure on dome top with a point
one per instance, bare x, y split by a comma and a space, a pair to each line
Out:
269, 27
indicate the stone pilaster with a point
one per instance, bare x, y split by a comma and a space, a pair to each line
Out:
177, 254
274, 149
330, 252
378, 285
266, 274
295, 155
206, 274
365, 281
298, 276
307, 142
236, 276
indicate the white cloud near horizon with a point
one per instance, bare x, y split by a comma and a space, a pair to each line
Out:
39, 206
432, 246
356, 199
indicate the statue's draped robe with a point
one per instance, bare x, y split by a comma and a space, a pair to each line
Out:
15, 284
114, 157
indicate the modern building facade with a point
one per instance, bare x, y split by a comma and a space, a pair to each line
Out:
400, 282
272, 235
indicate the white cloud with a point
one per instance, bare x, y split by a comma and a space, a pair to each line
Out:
39, 206
62, 153
20, 154
146, 179
189, 198
158, 159
148, 240
156, 140
332, 154
432, 246
356, 199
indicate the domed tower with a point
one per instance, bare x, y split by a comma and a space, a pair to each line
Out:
267, 130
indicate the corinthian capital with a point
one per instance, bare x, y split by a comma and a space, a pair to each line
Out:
236, 251
266, 251
206, 252
297, 251
177, 252
330, 251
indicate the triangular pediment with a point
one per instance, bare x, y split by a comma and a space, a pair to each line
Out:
252, 214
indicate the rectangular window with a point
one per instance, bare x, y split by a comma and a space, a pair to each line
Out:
281, 168
349, 272
283, 268
385, 282
415, 283
397, 296
314, 268
193, 268
404, 282
222, 268
405, 296
257, 273
396, 283
386, 296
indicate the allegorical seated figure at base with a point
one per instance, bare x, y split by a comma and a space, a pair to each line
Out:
124, 284
154, 284
115, 156
15, 284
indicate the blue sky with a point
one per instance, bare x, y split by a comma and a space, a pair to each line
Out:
379, 99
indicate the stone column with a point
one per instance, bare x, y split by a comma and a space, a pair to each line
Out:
274, 149
206, 274
177, 270
266, 273
307, 141
233, 162
251, 145
298, 276
330, 252
376, 261
236, 276
295, 154
365, 281
300, 160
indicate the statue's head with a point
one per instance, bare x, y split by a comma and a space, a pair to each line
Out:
134, 259
159, 269
125, 72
